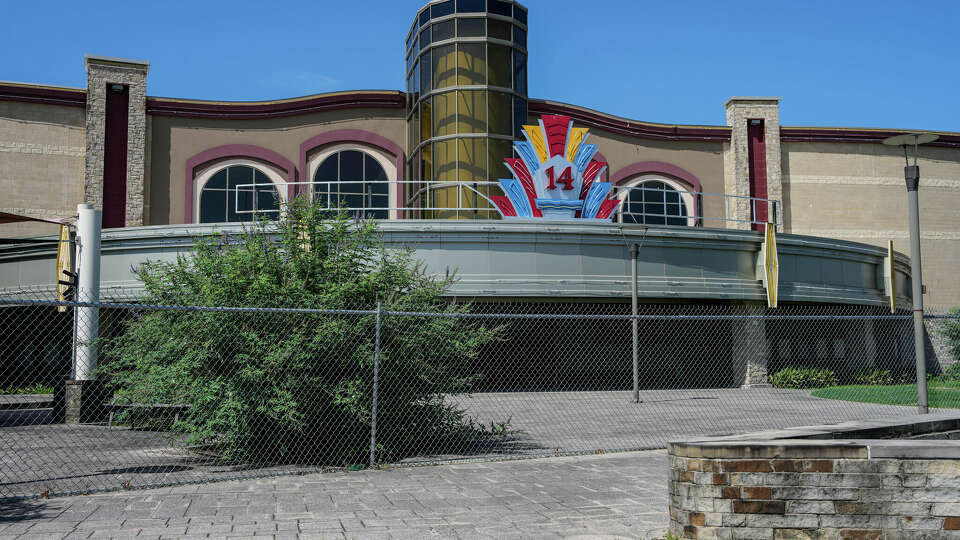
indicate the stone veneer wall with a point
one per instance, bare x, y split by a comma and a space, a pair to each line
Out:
937, 345
102, 71
814, 490
736, 161
749, 349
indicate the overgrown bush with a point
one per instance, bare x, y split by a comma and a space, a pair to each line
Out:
882, 377
272, 387
800, 378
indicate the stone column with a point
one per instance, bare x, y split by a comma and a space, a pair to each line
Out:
938, 353
736, 164
102, 71
749, 348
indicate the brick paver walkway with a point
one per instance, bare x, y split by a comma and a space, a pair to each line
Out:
600, 496
36, 456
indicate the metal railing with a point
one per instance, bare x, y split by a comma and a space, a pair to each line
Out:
737, 209
433, 199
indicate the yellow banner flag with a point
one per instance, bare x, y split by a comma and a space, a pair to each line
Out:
63, 263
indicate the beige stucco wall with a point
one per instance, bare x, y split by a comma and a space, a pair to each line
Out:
857, 192
175, 140
41, 163
701, 159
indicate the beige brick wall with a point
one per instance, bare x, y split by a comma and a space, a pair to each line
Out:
857, 192
41, 163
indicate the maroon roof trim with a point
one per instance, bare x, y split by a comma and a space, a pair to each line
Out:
274, 109
69, 97
632, 128
853, 135
46, 95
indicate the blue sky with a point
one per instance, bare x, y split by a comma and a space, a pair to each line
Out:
875, 63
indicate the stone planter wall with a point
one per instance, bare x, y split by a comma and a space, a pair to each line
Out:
815, 489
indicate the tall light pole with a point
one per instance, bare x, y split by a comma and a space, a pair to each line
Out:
634, 254
911, 174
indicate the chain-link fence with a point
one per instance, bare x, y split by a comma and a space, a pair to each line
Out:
156, 395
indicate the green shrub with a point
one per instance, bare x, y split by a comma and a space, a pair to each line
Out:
882, 377
799, 378
32, 389
951, 331
297, 387
952, 373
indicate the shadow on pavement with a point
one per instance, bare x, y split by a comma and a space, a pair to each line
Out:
23, 510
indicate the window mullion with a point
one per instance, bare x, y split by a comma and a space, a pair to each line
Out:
226, 210
338, 179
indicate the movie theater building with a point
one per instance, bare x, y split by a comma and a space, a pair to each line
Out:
528, 199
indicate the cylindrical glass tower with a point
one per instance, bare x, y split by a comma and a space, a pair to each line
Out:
467, 100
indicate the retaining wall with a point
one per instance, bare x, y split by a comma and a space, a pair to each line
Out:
795, 488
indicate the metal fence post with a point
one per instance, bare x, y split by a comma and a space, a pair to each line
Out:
88, 290
376, 381
634, 253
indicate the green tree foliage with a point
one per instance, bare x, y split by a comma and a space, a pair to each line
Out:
294, 387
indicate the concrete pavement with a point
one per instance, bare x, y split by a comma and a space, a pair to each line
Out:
597, 496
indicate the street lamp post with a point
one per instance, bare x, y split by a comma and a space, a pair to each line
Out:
911, 174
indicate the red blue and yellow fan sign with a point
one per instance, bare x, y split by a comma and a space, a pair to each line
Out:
555, 176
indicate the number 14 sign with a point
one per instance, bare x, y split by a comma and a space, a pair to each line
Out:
555, 176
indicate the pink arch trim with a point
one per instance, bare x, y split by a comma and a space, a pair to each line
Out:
361, 137
256, 153
645, 167
659, 167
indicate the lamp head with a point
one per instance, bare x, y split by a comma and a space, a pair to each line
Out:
911, 172
910, 139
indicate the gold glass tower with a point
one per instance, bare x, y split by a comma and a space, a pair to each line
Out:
466, 101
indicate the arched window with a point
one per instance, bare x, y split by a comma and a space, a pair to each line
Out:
654, 200
236, 192
354, 179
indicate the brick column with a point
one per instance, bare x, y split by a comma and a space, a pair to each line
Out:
740, 110
102, 71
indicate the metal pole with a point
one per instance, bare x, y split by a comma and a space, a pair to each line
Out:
376, 381
912, 176
634, 252
88, 291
